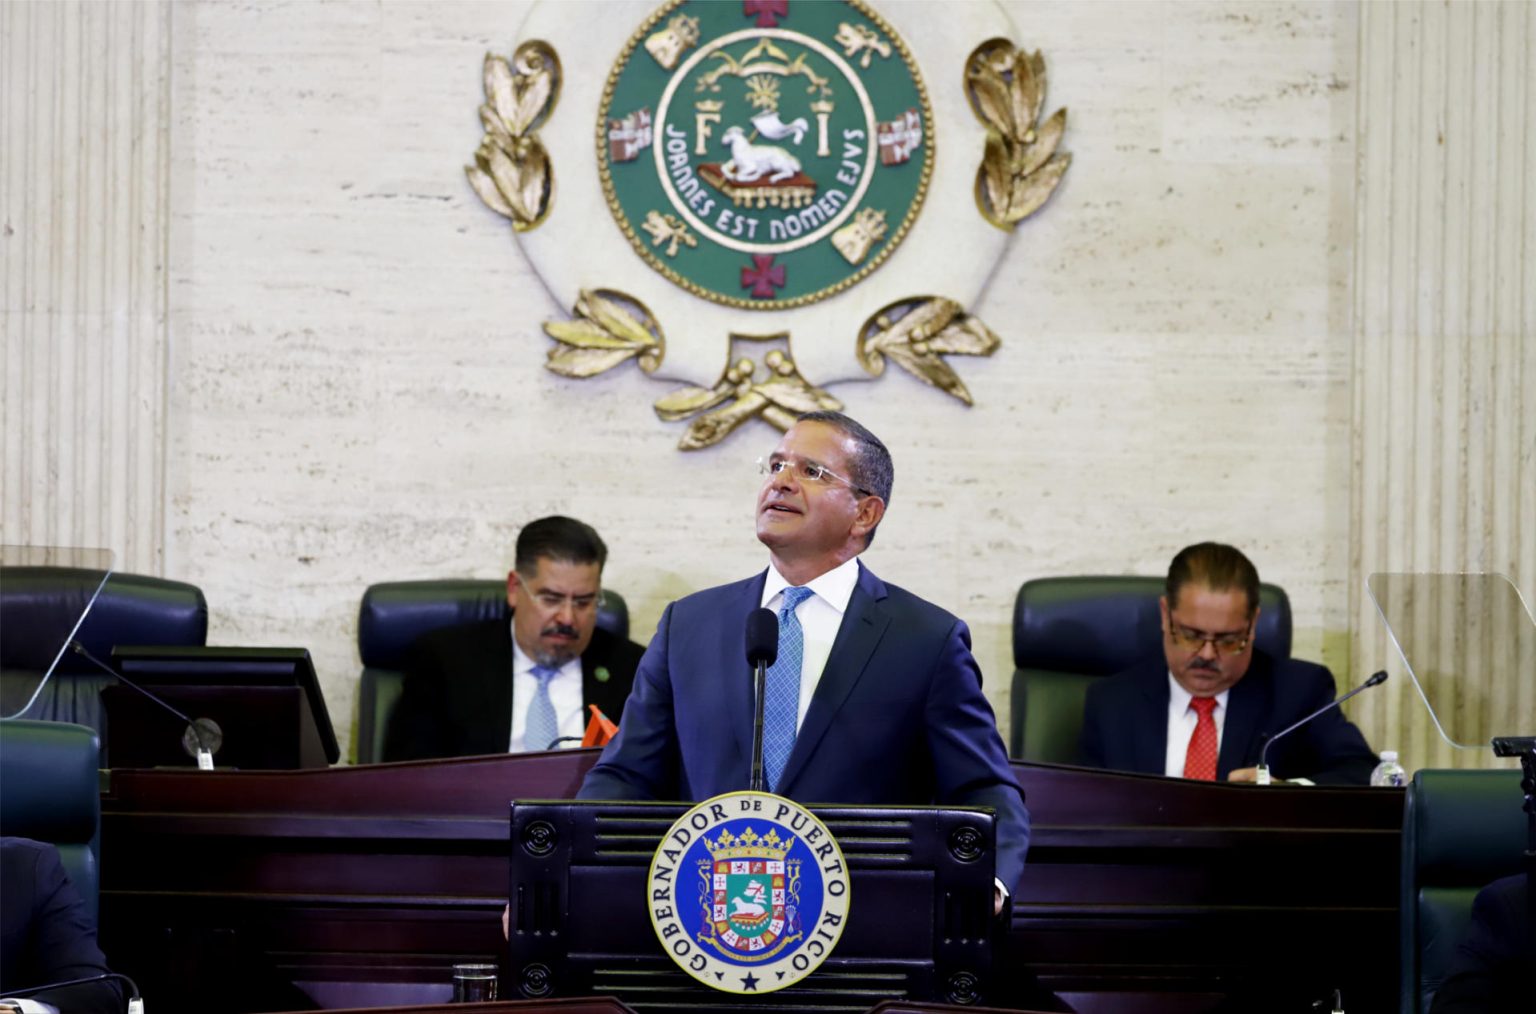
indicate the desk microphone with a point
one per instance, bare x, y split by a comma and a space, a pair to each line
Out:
202, 737
762, 651
1262, 777
135, 1002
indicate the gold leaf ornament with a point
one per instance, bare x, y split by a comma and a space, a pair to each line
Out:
512, 173
779, 399
917, 333
1020, 168
609, 328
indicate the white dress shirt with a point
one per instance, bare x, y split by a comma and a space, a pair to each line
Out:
1181, 725
820, 616
564, 694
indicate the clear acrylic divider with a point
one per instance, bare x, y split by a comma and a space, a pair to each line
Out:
1454, 630
45, 594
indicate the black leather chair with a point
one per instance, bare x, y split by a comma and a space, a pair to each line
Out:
38, 605
1070, 631
394, 614
1461, 830
50, 790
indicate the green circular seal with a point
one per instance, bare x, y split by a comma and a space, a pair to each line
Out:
767, 154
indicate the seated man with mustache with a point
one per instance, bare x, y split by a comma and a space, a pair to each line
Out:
1205, 708
498, 686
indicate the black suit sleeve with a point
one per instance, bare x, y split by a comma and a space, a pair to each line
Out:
1491, 971
1330, 749
1090, 741
58, 939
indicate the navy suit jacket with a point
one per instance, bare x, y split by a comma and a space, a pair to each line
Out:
457, 697
46, 934
1494, 968
898, 717
1125, 723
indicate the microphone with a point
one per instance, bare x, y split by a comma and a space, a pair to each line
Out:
135, 1002
762, 651
202, 737
1262, 776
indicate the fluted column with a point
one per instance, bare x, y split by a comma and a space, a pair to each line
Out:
84, 181
1444, 468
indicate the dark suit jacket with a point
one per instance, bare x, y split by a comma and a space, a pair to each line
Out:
1493, 970
457, 698
46, 935
1125, 723
898, 717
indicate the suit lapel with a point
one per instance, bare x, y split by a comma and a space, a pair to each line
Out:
497, 699
1151, 737
736, 679
864, 623
1247, 707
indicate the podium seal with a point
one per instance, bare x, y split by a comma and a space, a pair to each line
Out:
748, 892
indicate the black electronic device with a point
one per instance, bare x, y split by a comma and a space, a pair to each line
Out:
264, 704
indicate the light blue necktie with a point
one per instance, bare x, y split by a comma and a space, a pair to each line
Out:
781, 698
542, 728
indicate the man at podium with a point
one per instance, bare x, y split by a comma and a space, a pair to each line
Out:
874, 699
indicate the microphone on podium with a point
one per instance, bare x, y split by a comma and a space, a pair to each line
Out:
1262, 775
762, 651
202, 737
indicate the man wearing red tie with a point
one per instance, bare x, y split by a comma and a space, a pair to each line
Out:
1205, 709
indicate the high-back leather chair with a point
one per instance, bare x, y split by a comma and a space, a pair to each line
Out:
50, 790
1461, 830
1070, 631
395, 614
37, 607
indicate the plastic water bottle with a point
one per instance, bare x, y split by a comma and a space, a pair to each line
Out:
1389, 772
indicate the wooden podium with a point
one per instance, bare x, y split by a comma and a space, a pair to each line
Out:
361, 886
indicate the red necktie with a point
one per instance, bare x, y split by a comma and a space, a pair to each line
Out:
1200, 758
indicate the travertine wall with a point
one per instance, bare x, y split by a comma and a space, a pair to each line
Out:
351, 361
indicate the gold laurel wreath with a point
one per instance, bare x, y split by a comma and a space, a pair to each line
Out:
917, 333
1019, 167
512, 174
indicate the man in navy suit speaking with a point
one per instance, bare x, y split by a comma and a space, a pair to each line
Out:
884, 707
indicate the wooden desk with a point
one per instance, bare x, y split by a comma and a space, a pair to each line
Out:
360, 886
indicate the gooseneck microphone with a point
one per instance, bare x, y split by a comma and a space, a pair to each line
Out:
202, 737
1262, 777
135, 1002
762, 651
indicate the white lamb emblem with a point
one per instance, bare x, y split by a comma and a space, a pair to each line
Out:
754, 891
750, 161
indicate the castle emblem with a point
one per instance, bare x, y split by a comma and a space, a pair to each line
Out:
778, 140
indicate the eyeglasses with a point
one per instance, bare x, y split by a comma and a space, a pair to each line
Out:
805, 471
1234, 643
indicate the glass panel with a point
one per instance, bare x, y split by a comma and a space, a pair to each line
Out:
45, 594
1469, 643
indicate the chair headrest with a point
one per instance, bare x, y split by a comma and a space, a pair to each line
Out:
1467, 827
395, 613
52, 786
1099, 625
134, 609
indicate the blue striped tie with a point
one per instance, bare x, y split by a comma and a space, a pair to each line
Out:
781, 699
542, 728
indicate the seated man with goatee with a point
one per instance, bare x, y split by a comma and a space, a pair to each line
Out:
524, 684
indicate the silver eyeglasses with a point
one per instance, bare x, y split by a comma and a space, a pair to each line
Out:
805, 471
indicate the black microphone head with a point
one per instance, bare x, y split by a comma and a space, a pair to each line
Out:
762, 637
1379, 676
